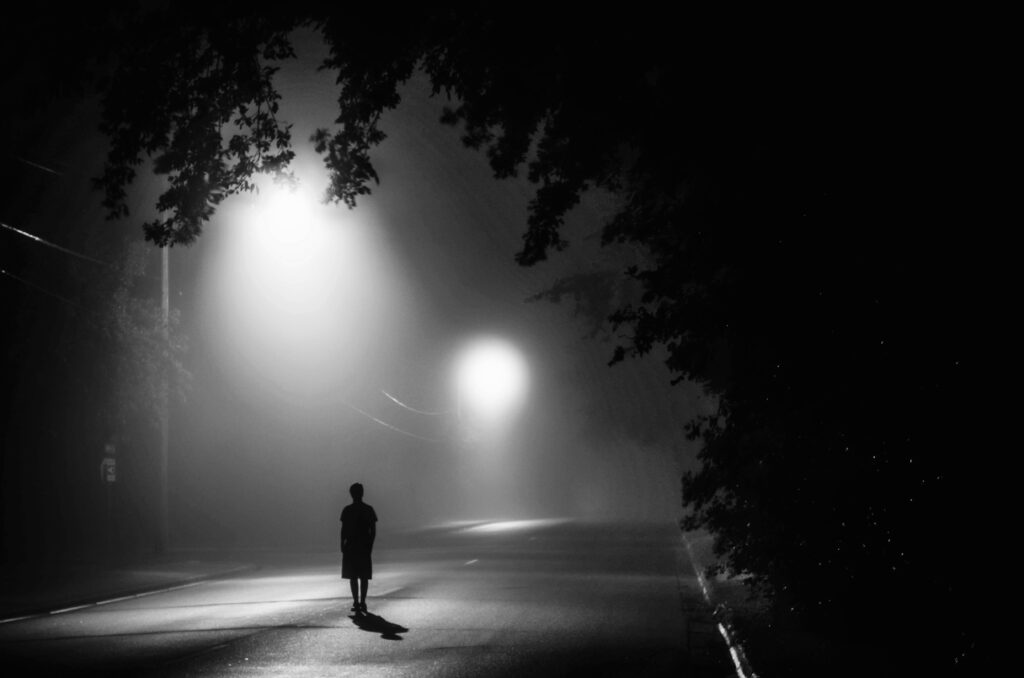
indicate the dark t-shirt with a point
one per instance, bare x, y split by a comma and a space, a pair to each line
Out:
357, 524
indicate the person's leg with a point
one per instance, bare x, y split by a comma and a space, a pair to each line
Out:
364, 584
355, 592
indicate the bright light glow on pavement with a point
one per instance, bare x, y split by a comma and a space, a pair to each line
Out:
516, 525
492, 379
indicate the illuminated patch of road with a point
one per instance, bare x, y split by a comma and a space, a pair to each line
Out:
514, 525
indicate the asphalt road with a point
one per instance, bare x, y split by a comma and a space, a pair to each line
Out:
494, 599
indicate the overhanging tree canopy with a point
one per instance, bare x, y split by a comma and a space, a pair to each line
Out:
774, 185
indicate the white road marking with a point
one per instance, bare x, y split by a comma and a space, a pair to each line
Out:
102, 602
143, 594
735, 651
169, 588
14, 619
69, 609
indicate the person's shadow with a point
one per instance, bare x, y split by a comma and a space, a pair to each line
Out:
376, 624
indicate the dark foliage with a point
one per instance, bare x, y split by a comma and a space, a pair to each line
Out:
85, 347
192, 90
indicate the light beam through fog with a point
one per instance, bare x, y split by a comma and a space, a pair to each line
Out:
301, 296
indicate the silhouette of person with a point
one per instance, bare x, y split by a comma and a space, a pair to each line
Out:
358, 530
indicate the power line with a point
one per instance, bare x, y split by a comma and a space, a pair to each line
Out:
413, 409
393, 428
108, 265
36, 165
44, 290
86, 257
41, 241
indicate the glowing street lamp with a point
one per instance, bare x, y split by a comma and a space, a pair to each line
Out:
491, 379
297, 294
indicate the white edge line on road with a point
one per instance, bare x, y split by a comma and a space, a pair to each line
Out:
69, 609
62, 610
117, 600
169, 588
145, 593
108, 601
735, 652
14, 619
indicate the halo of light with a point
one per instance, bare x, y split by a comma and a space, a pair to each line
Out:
491, 378
300, 298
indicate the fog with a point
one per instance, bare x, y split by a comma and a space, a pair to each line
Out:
325, 344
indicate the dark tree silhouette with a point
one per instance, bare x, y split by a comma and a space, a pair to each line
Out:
785, 193
193, 90
85, 350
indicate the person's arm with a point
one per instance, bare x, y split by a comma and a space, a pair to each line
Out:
373, 533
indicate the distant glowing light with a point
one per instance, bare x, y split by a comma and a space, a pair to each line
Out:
492, 378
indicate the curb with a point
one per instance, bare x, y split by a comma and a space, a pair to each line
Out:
721, 615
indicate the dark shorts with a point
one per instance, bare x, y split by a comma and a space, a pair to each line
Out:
356, 564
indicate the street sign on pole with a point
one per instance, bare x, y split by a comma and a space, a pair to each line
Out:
108, 476
108, 467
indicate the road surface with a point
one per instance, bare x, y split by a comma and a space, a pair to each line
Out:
528, 598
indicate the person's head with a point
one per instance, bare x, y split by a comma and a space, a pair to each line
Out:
356, 491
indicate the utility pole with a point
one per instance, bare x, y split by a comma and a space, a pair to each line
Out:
163, 531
